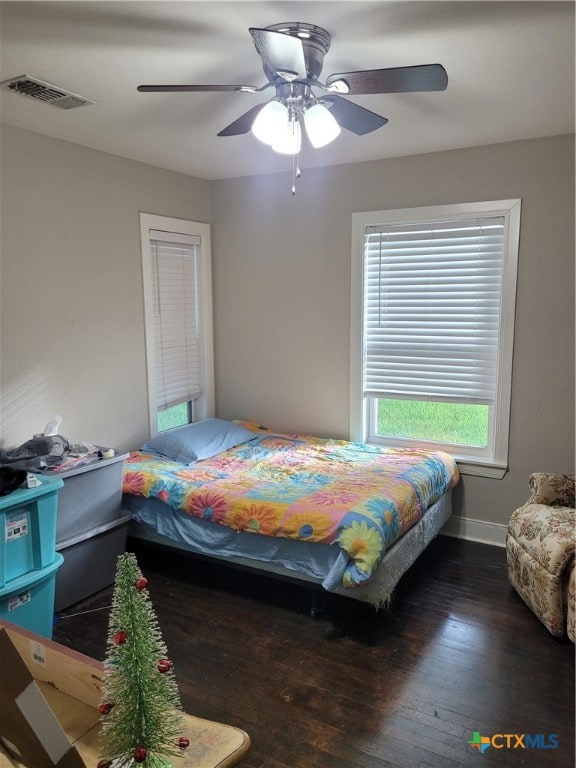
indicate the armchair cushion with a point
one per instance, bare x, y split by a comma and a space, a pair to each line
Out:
547, 533
551, 489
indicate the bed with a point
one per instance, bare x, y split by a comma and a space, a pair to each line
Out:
348, 516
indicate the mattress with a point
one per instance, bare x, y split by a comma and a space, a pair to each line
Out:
280, 489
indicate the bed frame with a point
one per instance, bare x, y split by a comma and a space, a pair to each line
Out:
397, 560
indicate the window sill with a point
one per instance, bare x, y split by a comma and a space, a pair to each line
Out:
470, 467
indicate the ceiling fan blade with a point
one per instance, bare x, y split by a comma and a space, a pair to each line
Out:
425, 77
352, 116
243, 123
279, 52
195, 88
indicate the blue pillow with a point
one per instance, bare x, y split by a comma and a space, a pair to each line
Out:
201, 440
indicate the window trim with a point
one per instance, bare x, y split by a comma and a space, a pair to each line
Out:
204, 406
496, 464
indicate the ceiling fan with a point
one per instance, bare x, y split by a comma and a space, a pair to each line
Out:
292, 56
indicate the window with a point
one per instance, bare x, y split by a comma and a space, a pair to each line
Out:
433, 299
178, 317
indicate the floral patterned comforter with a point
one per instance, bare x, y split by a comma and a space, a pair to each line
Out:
361, 496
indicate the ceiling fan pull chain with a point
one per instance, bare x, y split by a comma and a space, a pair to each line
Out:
296, 172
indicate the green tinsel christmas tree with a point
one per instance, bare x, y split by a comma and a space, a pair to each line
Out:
140, 706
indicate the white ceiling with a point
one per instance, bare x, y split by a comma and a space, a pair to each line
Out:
510, 67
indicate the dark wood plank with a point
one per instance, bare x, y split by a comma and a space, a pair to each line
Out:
456, 652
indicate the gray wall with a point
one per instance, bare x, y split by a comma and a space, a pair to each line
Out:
72, 327
72, 322
282, 274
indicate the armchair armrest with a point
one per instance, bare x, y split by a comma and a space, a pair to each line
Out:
551, 489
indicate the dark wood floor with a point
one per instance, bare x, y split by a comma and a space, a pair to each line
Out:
457, 652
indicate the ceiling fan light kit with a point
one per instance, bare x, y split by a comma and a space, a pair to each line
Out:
289, 140
292, 56
270, 121
276, 123
321, 126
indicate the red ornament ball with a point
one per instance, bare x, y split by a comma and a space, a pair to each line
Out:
183, 742
105, 707
120, 637
141, 583
140, 754
164, 665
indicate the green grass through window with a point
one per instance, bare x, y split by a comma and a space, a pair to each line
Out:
173, 417
460, 423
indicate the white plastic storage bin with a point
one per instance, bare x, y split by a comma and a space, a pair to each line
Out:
91, 528
89, 562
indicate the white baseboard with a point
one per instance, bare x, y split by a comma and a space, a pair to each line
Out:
476, 530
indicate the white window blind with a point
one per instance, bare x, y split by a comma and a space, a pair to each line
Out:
175, 311
432, 298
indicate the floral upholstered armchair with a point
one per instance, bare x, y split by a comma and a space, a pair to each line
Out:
540, 552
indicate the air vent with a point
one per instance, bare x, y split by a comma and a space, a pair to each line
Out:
41, 91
